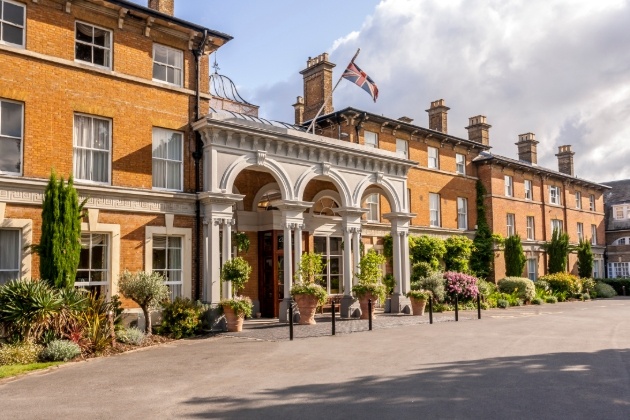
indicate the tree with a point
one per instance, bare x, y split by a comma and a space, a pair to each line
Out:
514, 256
236, 271
60, 246
585, 259
458, 251
483, 255
557, 251
148, 290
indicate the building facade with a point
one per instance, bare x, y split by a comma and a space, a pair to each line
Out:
618, 229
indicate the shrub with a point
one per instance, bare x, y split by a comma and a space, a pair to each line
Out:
482, 258
180, 318
604, 290
20, 353
588, 284
486, 288
241, 305
434, 283
95, 324
563, 282
618, 284
523, 287
146, 289
60, 351
369, 276
237, 272
458, 251
586, 296
462, 285
502, 303
428, 249
421, 269
551, 299
132, 336
557, 252
537, 301
542, 285
585, 258
514, 256
389, 282
419, 294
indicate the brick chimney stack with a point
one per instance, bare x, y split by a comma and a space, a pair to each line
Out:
479, 130
527, 148
163, 6
299, 110
318, 86
565, 160
438, 116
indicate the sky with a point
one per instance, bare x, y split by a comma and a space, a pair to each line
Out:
557, 68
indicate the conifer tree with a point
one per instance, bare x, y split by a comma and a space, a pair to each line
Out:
483, 256
514, 256
557, 252
585, 259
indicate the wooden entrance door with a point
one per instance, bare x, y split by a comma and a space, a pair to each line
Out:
271, 277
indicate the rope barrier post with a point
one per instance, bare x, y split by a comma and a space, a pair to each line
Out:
370, 313
456, 308
478, 305
333, 317
291, 319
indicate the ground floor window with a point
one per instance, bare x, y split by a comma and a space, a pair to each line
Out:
93, 272
596, 268
618, 269
532, 268
330, 247
167, 260
10, 255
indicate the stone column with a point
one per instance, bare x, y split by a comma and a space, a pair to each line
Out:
288, 267
227, 254
347, 262
400, 260
297, 240
351, 225
356, 252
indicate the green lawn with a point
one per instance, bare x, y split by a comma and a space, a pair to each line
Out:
14, 370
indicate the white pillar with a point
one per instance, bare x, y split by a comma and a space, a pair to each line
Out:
347, 261
396, 261
405, 264
227, 254
287, 260
212, 262
356, 252
298, 247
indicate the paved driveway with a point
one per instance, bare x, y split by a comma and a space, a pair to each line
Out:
565, 361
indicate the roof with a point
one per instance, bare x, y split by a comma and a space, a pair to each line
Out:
252, 118
487, 156
619, 192
392, 122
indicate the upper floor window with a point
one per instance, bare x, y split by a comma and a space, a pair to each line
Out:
93, 45
167, 64
620, 212
620, 241
11, 129
509, 188
433, 157
372, 202
591, 202
580, 232
531, 235
554, 194
594, 234
578, 200
556, 224
511, 228
462, 213
12, 17
528, 190
402, 148
11, 255
92, 147
434, 210
460, 164
168, 168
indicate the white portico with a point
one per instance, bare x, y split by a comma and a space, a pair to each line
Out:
239, 151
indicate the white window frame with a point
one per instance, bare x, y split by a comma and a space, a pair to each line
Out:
109, 151
531, 228
620, 241
462, 213
113, 231
597, 264
168, 268
593, 234
557, 223
170, 230
591, 202
620, 212
528, 190
157, 132
110, 49
532, 269
23, 27
618, 269
580, 231
168, 50
21, 138
434, 210
25, 226
510, 223
509, 185
90, 270
578, 200
326, 256
433, 158
554, 195
373, 203
370, 139
19, 256
460, 164
402, 148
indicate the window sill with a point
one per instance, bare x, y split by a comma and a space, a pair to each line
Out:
89, 65
166, 189
165, 83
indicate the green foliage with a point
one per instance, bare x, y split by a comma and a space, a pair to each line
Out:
604, 290
502, 303
180, 318
241, 240
370, 276
390, 283
310, 289
482, 258
60, 351
146, 289
236, 271
435, 283
551, 299
514, 256
618, 284
60, 245
311, 268
14, 370
458, 251
563, 283
523, 287
557, 252
20, 353
542, 285
428, 249
419, 294
585, 259
241, 305
133, 336
537, 301
588, 284
388, 247
486, 288
586, 296
95, 324
421, 269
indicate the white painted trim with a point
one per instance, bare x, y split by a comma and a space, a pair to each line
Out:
26, 228
114, 253
186, 234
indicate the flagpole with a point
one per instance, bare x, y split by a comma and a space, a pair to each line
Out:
312, 125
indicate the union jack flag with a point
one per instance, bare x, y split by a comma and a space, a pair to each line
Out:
361, 79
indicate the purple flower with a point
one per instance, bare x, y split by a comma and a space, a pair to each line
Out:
463, 285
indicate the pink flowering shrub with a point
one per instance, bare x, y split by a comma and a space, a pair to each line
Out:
464, 285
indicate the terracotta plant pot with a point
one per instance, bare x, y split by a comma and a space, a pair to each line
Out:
307, 305
363, 301
418, 305
234, 322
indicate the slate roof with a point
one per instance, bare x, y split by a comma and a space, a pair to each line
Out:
619, 192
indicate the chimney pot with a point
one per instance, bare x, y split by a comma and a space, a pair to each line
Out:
565, 160
163, 6
479, 130
527, 148
299, 110
318, 86
438, 113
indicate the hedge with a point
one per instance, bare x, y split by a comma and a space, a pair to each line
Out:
618, 284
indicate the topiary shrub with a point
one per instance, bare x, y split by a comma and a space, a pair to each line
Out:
180, 318
21, 353
146, 289
421, 269
551, 299
308, 277
60, 351
604, 290
462, 285
586, 296
434, 283
132, 336
537, 301
514, 256
523, 287
370, 275
563, 283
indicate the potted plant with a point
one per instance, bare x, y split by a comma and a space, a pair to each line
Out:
369, 284
307, 293
419, 300
236, 271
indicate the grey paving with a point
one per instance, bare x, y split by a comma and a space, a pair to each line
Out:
565, 361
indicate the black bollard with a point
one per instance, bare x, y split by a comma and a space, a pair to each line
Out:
456, 308
291, 319
370, 313
333, 317
478, 306
430, 309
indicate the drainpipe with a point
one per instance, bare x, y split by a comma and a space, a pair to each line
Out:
358, 126
197, 155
